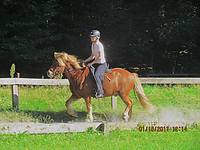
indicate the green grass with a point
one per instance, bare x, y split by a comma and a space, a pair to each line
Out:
177, 96
47, 104
117, 139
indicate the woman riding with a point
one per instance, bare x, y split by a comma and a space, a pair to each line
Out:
99, 62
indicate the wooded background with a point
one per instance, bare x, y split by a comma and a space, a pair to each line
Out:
161, 34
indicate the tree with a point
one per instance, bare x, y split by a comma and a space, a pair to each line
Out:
26, 32
158, 33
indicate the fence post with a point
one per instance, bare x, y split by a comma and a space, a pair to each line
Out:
114, 101
15, 94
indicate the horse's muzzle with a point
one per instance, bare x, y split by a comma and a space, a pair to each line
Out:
50, 74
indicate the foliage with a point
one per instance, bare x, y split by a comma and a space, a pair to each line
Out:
162, 34
12, 70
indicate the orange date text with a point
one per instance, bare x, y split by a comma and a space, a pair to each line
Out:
162, 129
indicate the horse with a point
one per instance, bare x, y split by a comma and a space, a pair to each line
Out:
82, 84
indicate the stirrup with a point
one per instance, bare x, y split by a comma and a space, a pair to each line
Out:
99, 96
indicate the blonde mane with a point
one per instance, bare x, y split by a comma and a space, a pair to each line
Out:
70, 58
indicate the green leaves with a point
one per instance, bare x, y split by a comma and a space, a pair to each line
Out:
132, 32
12, 70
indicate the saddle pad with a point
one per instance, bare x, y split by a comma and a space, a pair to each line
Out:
108, 71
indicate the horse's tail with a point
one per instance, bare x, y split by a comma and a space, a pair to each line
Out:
141, 95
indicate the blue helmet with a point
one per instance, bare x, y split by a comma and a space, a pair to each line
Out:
95, 33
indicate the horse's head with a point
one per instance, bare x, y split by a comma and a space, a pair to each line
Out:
55, 70
61, 62
57, 67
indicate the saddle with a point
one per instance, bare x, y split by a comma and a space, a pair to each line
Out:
92, 69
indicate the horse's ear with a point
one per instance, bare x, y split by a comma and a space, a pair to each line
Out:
58, 55
55, 54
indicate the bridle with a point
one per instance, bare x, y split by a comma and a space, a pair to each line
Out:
56, 71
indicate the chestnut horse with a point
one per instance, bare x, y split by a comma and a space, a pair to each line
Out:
82, 84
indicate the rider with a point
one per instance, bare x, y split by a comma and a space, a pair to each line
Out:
99, 62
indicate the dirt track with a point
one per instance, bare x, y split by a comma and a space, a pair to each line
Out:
15, 128
168, 117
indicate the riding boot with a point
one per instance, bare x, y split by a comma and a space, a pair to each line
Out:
99, 87
99, 95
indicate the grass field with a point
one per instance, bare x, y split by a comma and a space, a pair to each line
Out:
117, 139
47, 104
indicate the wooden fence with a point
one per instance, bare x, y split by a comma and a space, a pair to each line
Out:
28, 81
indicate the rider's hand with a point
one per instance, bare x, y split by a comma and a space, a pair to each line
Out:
84, 65
90, 64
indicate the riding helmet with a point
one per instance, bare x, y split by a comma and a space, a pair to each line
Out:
95, 33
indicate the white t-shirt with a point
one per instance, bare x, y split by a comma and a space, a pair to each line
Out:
96, 48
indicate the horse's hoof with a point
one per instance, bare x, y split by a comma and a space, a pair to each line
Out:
74, 114
126, 119
89, 120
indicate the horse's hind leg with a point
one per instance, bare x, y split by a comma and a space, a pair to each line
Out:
128, 111
67, 104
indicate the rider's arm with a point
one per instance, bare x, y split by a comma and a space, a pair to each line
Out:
96, 60
89, 58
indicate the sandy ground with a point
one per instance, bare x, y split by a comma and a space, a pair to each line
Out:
170, 117
167, 115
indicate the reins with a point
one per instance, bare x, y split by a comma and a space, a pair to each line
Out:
76, 69
56, 70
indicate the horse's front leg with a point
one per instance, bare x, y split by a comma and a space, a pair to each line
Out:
89, 108
68, 102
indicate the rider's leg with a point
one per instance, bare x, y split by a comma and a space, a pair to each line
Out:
99, 70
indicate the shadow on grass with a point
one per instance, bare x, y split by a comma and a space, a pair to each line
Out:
55, 117
63, 116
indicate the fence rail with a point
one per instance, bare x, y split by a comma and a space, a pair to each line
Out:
29, 81
147, 80
170, 80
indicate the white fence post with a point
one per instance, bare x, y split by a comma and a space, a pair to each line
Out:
15, 96
114, 101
